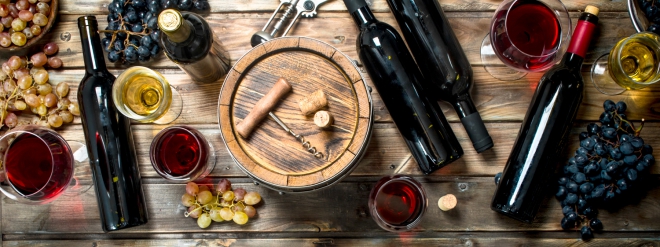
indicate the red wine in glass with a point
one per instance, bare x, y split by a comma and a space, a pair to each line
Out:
527, 35
397, 203
38, 164
181, 153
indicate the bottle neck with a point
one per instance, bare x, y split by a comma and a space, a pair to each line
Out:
91, 45
584, 31
363, 16
181, 34
464, 105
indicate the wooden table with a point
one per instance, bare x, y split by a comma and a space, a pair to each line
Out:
338, 215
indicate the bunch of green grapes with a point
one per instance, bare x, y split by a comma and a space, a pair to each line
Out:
223, 205
25, 87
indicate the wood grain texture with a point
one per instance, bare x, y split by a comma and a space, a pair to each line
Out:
337, 29
386, 154
308, 65
341, 208
496, 100
220, 6
411, 240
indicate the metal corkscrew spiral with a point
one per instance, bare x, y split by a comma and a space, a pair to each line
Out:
300, 138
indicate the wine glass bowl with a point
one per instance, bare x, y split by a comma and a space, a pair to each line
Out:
145, 95
37, 164
526, 36
181, 154
639, 20
397, 203
631, 64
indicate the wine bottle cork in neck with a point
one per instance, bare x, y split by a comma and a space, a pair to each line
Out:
173, 25
592, 10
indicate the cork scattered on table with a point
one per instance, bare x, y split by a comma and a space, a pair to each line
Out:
323, 119
447, 202
313, 102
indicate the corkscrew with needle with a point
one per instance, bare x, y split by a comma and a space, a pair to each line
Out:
263, 107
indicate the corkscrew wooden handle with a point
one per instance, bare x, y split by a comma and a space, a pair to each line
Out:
262, 107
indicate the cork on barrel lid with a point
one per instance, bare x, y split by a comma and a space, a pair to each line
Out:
592, 10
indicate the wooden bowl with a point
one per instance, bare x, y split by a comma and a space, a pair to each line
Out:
272, 156
34, 44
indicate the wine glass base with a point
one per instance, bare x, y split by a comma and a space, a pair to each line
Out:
600, 77
175, 108
82, 174
494, 66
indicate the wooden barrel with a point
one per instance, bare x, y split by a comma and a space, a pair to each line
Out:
272, 156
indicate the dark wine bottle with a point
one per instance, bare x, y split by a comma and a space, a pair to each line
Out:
109, 140
398, 81
521, 189
190, 42
442, 62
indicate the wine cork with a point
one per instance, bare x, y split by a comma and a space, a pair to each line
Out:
313, 102
447, 202
592, 10
323, 119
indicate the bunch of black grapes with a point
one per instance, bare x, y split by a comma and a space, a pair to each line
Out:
132, 33
611, 161
651, 9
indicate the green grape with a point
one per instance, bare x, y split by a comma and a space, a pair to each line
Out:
18, 25
40, 19
228, 196
62, 89
204, 220
191, 187
204, 197
67, 117
18, 38
238, 207
40, 76
20, 105
55, 120
24, 82
44, 89
226, 214
240, 218
215, 215
187, 199
252, 198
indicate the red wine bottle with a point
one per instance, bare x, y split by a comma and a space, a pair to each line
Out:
398, 81
546, 126
109, 140
442, 62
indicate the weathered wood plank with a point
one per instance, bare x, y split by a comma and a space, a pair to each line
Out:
387, 154
339, 208
268, 6
404, 240
496, 100
337, 29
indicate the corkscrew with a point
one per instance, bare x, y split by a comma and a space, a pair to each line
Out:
306, 8
300, 138
263, 107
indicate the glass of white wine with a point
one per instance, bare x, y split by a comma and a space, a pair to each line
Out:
632, 64
144, 95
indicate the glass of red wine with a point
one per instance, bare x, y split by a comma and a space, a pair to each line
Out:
38, 165
397, 203
525, 36
182, 154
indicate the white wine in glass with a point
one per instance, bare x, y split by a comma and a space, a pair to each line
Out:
632, 64
144, 95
